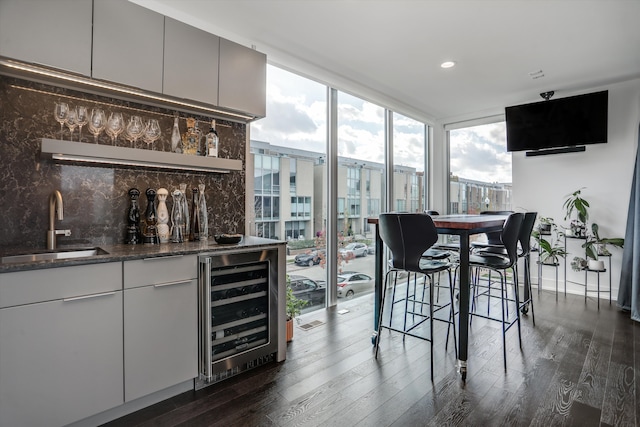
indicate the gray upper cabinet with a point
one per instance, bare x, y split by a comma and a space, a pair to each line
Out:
242, 79
56, 33
190, 62
128, 44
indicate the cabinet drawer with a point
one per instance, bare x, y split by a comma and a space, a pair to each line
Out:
158, 270
27, 287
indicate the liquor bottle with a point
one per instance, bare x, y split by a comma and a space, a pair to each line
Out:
194, 233
163, 215
211, 141
190, 139
133, 219
202, 214
175, 137
185, 209
177, 217
151, 219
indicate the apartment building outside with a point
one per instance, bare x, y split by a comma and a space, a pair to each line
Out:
290, 193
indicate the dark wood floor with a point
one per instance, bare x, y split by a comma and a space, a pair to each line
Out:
577, 367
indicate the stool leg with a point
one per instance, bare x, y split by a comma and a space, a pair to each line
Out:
431, 324
384, 293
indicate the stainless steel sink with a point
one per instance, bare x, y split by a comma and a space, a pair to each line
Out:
53, 255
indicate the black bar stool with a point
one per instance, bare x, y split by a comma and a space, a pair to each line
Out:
408, 236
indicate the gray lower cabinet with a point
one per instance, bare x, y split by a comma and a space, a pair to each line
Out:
128, 44
55, 33
60, 359
160, 324
242, 79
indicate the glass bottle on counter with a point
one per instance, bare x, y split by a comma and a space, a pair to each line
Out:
177, 217
150, 234
194, 233
202, 214
175, 137
133, 219
163, 215
191, 139
185, 209
211, 141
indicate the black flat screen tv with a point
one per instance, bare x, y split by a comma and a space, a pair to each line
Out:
562, 122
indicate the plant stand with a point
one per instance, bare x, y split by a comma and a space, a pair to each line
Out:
555, 265
586, 287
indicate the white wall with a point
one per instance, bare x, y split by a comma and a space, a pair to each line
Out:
605, 170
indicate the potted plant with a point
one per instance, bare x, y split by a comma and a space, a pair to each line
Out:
593, 247
544, 225
550, 254
294, 305
575, 203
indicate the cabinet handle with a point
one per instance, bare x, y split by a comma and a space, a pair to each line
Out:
160, 258
106, 294
178, 282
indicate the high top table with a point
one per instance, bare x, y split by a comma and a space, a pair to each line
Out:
463, 226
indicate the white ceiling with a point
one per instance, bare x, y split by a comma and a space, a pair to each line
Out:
389, 51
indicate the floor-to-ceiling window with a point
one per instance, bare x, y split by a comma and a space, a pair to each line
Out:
290, 177
288, 149
409, 148
361, 148
479, 169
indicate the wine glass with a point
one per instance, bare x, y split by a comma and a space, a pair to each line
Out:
134, 130
151, 132
72, 121
115, 126
83, 119
97, 122
60, 113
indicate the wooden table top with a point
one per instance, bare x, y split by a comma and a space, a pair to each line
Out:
461, 221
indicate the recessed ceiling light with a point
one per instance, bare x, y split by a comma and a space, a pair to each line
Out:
448, 64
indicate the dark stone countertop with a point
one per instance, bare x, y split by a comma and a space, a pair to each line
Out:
130, 252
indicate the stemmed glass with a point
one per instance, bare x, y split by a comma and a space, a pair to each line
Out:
97, 122
72, 121
83, 119
60, 113
115, 126
134, 130
151, 132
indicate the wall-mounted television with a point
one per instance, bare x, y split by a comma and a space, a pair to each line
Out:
563, 122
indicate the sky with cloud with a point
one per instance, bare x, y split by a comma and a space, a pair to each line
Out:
296, 118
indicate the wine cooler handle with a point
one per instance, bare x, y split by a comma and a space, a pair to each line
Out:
204, 283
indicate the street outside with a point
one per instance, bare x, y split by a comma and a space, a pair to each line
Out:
361, 265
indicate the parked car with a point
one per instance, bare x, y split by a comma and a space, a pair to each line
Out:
313, 291
371, 249
351, 283
357, 249
312, 258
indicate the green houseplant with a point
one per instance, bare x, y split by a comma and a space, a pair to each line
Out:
549, 253
576, 203
594, 246
293, 307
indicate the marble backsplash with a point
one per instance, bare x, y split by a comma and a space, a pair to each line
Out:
95, 198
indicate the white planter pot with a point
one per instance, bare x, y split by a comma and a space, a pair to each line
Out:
596, 265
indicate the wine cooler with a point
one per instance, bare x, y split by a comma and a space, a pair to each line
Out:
238, 313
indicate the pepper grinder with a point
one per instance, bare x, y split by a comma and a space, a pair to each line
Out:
133, 219
151, 219
194, 231
163, 215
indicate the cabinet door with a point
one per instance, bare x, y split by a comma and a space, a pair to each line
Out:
60, 361
242, 79
55, 33
127, 44
160, 337
190, 62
